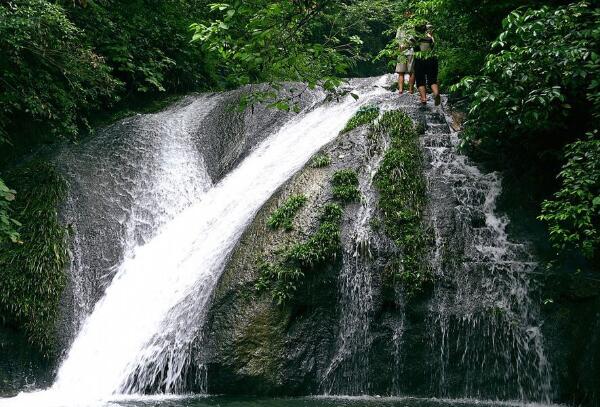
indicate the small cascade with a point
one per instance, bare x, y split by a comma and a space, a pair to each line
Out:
348, 372
483, 321
477, 335
398, 331
177, 177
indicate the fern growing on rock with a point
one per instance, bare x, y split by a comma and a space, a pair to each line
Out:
283, 216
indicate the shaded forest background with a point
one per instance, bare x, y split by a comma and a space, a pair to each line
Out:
526, 74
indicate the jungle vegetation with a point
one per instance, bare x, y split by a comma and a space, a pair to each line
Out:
526, 72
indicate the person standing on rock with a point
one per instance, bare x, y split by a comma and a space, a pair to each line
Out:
406, 60
426, 65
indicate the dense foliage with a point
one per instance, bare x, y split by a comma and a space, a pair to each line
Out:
49, 76
146, 43
537, 92
275, 40
401, 185
536, 81
574, 213
32, 273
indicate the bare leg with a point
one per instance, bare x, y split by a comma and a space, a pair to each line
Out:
436, 93
423, 94
411, 83
401, 82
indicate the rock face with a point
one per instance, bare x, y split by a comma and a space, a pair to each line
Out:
21, 366
341, 334
478, 331
257, 346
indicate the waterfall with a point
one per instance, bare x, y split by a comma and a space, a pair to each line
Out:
139, 333
150, 189
348, 372
478, 333
126, 182
483, 320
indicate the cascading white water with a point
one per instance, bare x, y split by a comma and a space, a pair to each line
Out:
184, 258
348, 370
136, 175
178, 178
487, 326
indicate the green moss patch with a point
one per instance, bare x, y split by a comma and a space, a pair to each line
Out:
283, 277
32, 276
365, 115
401, 185
283, 216
345, 186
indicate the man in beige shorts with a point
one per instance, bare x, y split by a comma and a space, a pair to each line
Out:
406, 62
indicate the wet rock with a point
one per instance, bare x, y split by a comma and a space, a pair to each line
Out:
260, 347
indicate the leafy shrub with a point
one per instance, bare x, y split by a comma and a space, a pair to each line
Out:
402, 199
365, 115
573, 216
321, 160
271, 41
345, 183
332, 213
32, 274
283, 216
282, 282
535, 82
147, 45
322, 245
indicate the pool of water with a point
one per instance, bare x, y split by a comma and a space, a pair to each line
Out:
320, 401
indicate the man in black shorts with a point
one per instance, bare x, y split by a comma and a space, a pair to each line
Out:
426, 65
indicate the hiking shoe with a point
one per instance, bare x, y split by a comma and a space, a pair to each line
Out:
438, 99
